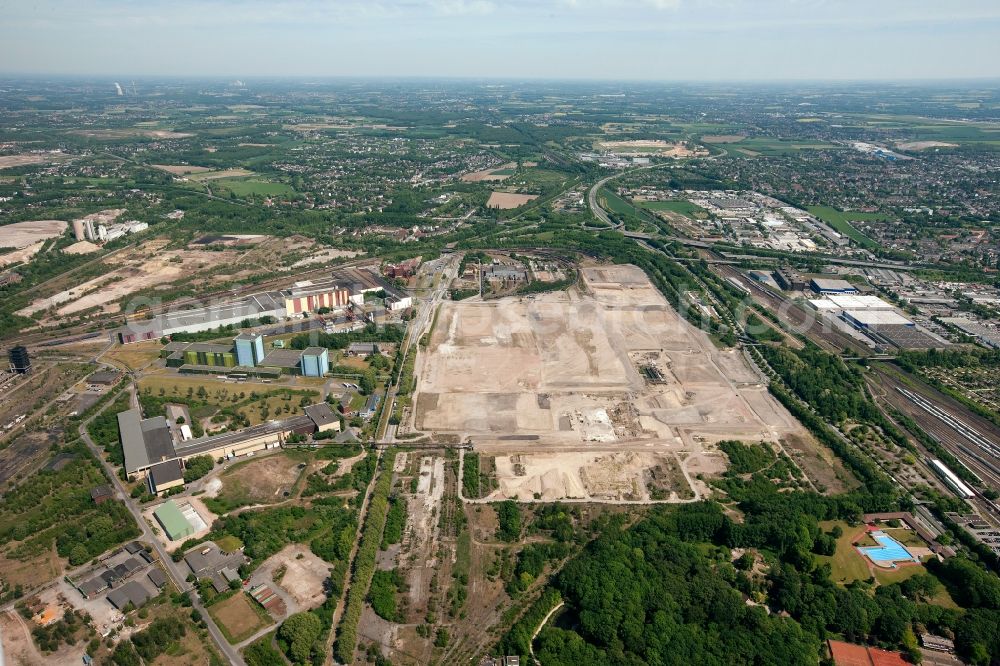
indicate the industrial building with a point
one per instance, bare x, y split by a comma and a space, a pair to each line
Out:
789, 280
878, 319
986, 335
764, 277
873, 319
344, 287
396, 301
255, 306
148, 442
164, 476
403, 269
173, 522
859, 302
249, 349
246, 355
132, 594
324, 417
828, 286
310, 296
371, 406
145, 442
20, 362
315, 361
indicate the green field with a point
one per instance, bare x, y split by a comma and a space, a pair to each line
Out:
772, 146
840, 221
847, 564
685, 208
615, 203
249, 187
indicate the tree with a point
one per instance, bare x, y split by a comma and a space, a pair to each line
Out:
79, 554
300, 631
367, 382
509, 520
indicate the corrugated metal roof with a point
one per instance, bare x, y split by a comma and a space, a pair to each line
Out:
172, 519
133, 442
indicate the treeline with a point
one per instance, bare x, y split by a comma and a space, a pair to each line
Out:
371, 333
364, 564
266, 532
508, 520
746, 458
912, 360
221, 331
382, 594
882, 496
832, 387
104, 429
395, 521
648, 594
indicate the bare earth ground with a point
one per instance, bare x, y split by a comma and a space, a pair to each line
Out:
105, 216
23, 234
137, 131
646, 147
82, 247
261, 480
506, 200
9, 161
559, 374
31, 572
304, 576
147, 266
325, 255
924, 145
20, 256
19, 650
488, 175
722, 138
226, 173
237, 616
180, 169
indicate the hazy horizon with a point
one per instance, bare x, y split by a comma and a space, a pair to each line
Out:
600, 40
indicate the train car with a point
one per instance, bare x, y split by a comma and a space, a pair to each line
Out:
951, 480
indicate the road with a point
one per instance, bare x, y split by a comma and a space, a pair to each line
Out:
602, 215
177, 575
541, 625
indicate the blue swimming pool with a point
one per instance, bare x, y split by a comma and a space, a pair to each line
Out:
888, 551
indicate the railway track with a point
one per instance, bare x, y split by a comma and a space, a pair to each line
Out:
85, 331
962, 434
794, 316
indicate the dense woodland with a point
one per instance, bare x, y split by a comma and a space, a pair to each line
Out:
670, 590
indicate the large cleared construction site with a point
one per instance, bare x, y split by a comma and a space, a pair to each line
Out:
602, 392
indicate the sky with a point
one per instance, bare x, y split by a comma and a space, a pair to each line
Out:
672, 40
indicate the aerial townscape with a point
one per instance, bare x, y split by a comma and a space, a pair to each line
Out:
390, 333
